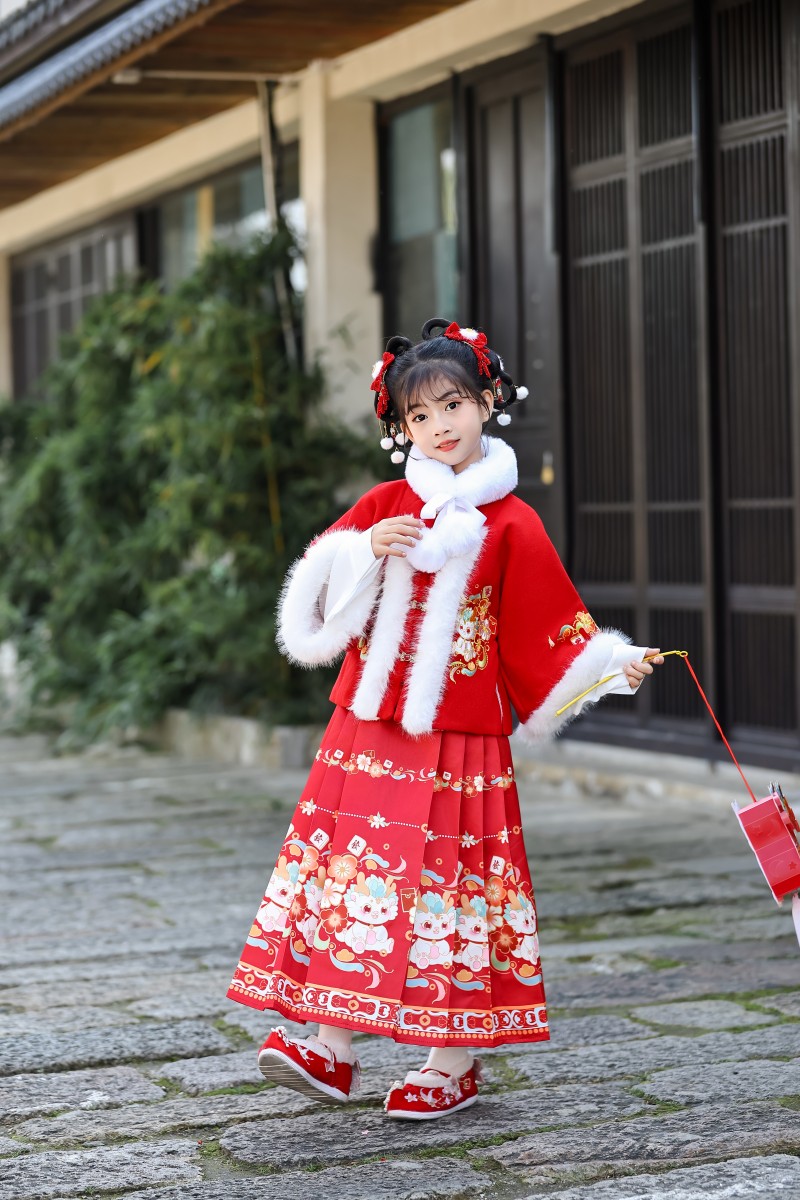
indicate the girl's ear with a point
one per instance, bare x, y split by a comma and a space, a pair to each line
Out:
489, 398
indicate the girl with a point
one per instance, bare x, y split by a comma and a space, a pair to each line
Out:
401, 903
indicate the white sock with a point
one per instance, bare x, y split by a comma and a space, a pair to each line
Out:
450, 1060
338, 1040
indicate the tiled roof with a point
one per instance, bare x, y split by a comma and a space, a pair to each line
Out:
89, 54
25, 20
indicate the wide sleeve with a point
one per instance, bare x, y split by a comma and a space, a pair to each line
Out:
550, 648
354, 568
304, 635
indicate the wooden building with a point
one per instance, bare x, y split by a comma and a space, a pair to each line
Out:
611, 189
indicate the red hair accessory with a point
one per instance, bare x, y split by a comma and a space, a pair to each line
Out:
379, 384
476, 341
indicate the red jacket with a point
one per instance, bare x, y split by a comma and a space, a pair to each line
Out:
455, 644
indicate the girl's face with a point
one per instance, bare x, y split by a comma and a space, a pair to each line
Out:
449, 427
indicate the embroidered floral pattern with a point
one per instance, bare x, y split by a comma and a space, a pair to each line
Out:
405, 911
484, 923
474, 632
469, 785
340, 904
370, 764
581, 629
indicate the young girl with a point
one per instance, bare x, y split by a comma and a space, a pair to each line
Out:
401, 903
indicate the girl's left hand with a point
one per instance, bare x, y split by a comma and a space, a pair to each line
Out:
636, 671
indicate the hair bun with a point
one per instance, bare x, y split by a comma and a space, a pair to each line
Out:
398, 345
433, 328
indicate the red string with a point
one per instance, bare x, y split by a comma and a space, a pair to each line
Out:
719, 727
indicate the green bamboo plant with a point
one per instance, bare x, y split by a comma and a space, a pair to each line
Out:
154, 494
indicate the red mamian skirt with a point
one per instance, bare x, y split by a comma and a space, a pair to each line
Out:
401, 903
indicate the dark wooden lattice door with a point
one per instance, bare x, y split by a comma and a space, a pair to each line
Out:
637, 410
755, 47
514, 276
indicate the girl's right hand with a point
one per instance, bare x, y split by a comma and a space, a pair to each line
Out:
390, 535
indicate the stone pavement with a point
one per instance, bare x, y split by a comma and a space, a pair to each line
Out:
128, 884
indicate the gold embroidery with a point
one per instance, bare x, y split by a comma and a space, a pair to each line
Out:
368, 762
473, 634
582, 625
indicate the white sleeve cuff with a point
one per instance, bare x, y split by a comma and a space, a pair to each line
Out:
301, 634
354, 568
621, 655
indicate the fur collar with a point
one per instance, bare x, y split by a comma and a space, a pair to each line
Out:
490, 479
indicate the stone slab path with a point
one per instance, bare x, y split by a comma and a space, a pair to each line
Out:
128, 882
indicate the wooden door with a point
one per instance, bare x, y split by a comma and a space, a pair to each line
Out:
637, 396
755, 110
512, 288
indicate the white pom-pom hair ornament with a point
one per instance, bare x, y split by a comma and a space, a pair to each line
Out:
386, 443
401, 439
503, 418
522, 392
398, 456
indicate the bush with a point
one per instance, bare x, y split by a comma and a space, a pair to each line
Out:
155, 495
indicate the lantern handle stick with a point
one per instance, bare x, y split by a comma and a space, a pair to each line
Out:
684, 654
608, 678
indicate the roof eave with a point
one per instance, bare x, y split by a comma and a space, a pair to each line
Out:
115, 44
41, 28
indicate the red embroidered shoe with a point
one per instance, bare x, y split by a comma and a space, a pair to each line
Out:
309, 1066
427, 1094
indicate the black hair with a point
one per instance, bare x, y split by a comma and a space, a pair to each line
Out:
429, 376
416, 366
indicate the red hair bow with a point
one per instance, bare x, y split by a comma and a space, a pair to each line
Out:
379, 384
476, 341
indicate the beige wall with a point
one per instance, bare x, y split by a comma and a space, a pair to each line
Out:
338, 172
463, 37
132, 179
331, 105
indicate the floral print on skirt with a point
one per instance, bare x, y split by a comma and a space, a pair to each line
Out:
401, 903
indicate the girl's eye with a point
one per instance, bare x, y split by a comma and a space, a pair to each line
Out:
451, 404
418, 417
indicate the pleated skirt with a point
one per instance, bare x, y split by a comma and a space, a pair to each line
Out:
401, 903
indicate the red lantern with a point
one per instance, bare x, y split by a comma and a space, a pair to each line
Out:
771, 828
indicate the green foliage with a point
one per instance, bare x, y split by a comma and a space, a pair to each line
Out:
155, 495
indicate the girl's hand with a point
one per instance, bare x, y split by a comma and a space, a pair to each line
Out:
389, 536
636, 671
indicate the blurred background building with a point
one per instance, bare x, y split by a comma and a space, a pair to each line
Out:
611, 189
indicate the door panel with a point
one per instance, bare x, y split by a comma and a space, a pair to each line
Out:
756, 163
683, 355
637, 402
514, 293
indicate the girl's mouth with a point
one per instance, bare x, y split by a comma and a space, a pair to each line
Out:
447, 446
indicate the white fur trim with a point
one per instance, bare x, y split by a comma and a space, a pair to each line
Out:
583, 671
385, 639
428, 675
490, 479
302, 636
456, 531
